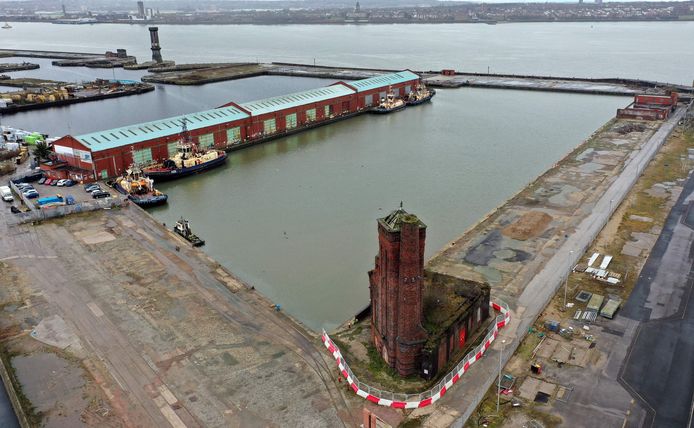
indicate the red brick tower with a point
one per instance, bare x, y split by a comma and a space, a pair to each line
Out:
396, 291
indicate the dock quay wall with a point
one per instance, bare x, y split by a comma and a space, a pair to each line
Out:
12, 394
15, 108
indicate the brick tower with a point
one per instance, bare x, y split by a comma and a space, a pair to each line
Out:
396, 291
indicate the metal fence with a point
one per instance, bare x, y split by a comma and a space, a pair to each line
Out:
46, 213
410, 401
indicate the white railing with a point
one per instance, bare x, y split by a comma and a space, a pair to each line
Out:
412, 401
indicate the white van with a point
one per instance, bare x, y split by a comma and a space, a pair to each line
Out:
6, 194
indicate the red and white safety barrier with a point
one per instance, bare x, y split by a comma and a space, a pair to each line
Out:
413, 401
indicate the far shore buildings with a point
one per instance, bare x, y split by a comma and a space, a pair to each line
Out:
420, 321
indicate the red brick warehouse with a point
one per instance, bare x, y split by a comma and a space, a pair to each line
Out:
108, 153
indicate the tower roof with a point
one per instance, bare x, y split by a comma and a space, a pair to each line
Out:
393, 221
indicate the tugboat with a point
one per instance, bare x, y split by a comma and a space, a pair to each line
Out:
183, 228
389, 104
139, 189
420, 96
187, 160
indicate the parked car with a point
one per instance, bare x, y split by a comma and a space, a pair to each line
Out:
48, 181
61, 183
14, 210
22, 186
100, 194
6, 194
90, 187
95, 189
31, 193
54, 182
69, 183
69, 200
42, 180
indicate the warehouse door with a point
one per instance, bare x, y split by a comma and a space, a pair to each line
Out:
328, 111
311, 114
382, 95
408, 89
234, 135
290, 121
172, 148
143, 156
345, 107
269, 126
368, 100
396, 92
206, 141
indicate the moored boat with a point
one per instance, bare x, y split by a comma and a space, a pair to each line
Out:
389, 104
420, 96
188, 160
7, 26
182, 227
139, 189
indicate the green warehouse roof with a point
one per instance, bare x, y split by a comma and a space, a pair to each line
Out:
383, 80
132, 134
271, 105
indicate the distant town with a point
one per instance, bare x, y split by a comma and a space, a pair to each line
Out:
337, 12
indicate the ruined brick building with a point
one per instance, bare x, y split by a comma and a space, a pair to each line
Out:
419, 320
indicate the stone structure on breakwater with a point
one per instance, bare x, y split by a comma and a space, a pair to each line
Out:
419, 321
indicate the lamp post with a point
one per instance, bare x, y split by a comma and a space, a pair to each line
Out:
498, 390
566, 283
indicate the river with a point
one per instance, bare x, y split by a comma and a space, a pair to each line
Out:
297, 217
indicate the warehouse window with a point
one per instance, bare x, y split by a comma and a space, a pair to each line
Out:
328, 110
269, 126
311, 114
143, 156
234, 135
172, 148
206, 141
291, 121
408, 89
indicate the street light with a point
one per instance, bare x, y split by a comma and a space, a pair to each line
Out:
498, 390
566, 283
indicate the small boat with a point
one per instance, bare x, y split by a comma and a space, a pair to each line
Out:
420, 96
188, 160
6, 26
182, 227
389, 104
139, 189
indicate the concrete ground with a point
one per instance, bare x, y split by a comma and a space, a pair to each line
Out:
658, 369
169, 337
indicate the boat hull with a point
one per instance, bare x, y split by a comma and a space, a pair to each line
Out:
145, 200
381, 110
172, 174
422, 100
